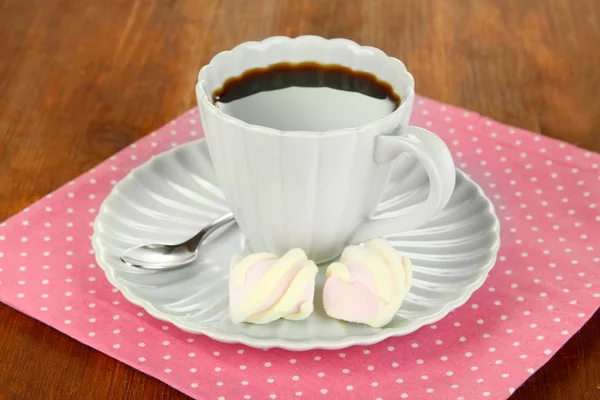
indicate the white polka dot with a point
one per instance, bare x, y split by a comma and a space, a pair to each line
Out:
349, 387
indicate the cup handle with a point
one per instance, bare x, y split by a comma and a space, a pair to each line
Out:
434, 155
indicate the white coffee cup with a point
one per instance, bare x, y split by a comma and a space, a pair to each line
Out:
296, 175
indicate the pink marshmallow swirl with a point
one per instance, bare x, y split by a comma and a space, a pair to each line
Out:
368, 284
263, 288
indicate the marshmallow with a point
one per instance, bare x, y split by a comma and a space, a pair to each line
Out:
264, 288
368, 284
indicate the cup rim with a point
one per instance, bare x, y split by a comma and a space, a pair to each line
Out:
206, 98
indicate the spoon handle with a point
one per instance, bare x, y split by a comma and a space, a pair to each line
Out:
193, 242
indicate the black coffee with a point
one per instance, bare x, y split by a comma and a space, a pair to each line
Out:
306, 97
306, 74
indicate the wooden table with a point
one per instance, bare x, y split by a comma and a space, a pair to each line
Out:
80, 80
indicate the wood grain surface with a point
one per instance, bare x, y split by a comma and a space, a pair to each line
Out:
80, 80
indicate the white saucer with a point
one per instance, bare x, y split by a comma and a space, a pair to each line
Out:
171, 196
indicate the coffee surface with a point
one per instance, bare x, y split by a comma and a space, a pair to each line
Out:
306, 74
306, 96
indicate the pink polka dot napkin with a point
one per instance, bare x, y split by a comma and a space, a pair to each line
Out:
544, 287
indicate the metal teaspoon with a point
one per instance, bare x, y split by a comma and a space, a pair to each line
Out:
159, 257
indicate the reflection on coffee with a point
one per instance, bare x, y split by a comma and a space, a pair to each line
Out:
306, 96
